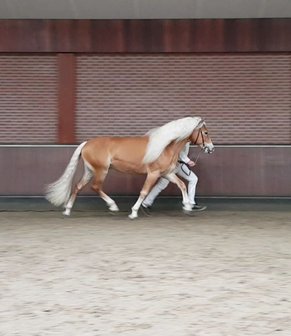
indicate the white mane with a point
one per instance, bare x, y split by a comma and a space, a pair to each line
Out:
161, 137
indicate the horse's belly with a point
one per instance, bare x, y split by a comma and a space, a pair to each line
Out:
128, 167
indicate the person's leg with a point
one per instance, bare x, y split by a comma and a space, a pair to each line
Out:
161, 185
191, 177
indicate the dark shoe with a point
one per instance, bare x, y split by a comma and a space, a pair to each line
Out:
146, 210
197, 207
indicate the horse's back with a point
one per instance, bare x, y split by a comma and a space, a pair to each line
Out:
118, 151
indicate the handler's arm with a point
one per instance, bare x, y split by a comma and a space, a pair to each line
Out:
183, 156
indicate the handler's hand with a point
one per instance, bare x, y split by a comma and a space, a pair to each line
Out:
191, 163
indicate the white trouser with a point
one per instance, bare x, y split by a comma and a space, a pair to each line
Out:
183, 171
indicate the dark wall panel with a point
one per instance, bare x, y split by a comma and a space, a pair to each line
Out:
28, 98
229, 171
245, 171
203, 35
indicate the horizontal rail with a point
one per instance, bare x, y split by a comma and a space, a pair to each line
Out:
74, 146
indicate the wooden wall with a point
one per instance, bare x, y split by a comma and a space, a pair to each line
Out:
67, 38
146, 36
231, 171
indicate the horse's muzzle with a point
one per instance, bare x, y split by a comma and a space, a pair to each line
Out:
208, 149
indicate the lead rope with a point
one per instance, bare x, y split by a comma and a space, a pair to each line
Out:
197, 157
188, 172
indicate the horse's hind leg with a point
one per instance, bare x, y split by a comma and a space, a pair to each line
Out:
84, 180
100, 175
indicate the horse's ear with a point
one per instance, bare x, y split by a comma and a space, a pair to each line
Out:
201, 123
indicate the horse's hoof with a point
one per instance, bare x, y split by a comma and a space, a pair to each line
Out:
132, 216
187, 207
113, 208
66, 213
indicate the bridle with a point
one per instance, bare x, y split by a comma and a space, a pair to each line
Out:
195, 143
203, 143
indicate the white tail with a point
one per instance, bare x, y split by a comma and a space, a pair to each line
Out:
59, 191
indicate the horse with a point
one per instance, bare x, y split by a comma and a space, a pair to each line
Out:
153, 154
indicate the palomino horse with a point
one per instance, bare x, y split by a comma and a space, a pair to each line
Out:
154, 154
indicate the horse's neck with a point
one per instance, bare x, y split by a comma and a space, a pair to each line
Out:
176, 147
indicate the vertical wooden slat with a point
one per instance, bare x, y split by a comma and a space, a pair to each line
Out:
66, 98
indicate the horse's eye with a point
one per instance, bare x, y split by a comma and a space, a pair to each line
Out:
205, 133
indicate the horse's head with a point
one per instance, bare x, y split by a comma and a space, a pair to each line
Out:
200, 137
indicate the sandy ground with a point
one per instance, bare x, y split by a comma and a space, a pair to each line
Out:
215, 273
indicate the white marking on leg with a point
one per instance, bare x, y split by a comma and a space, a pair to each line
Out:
67, 212
135, 208
85, 179
113, 207
109, 201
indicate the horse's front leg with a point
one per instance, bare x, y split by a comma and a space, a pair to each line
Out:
148, 184
181, 185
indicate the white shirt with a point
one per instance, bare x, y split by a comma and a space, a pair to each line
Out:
183, 156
